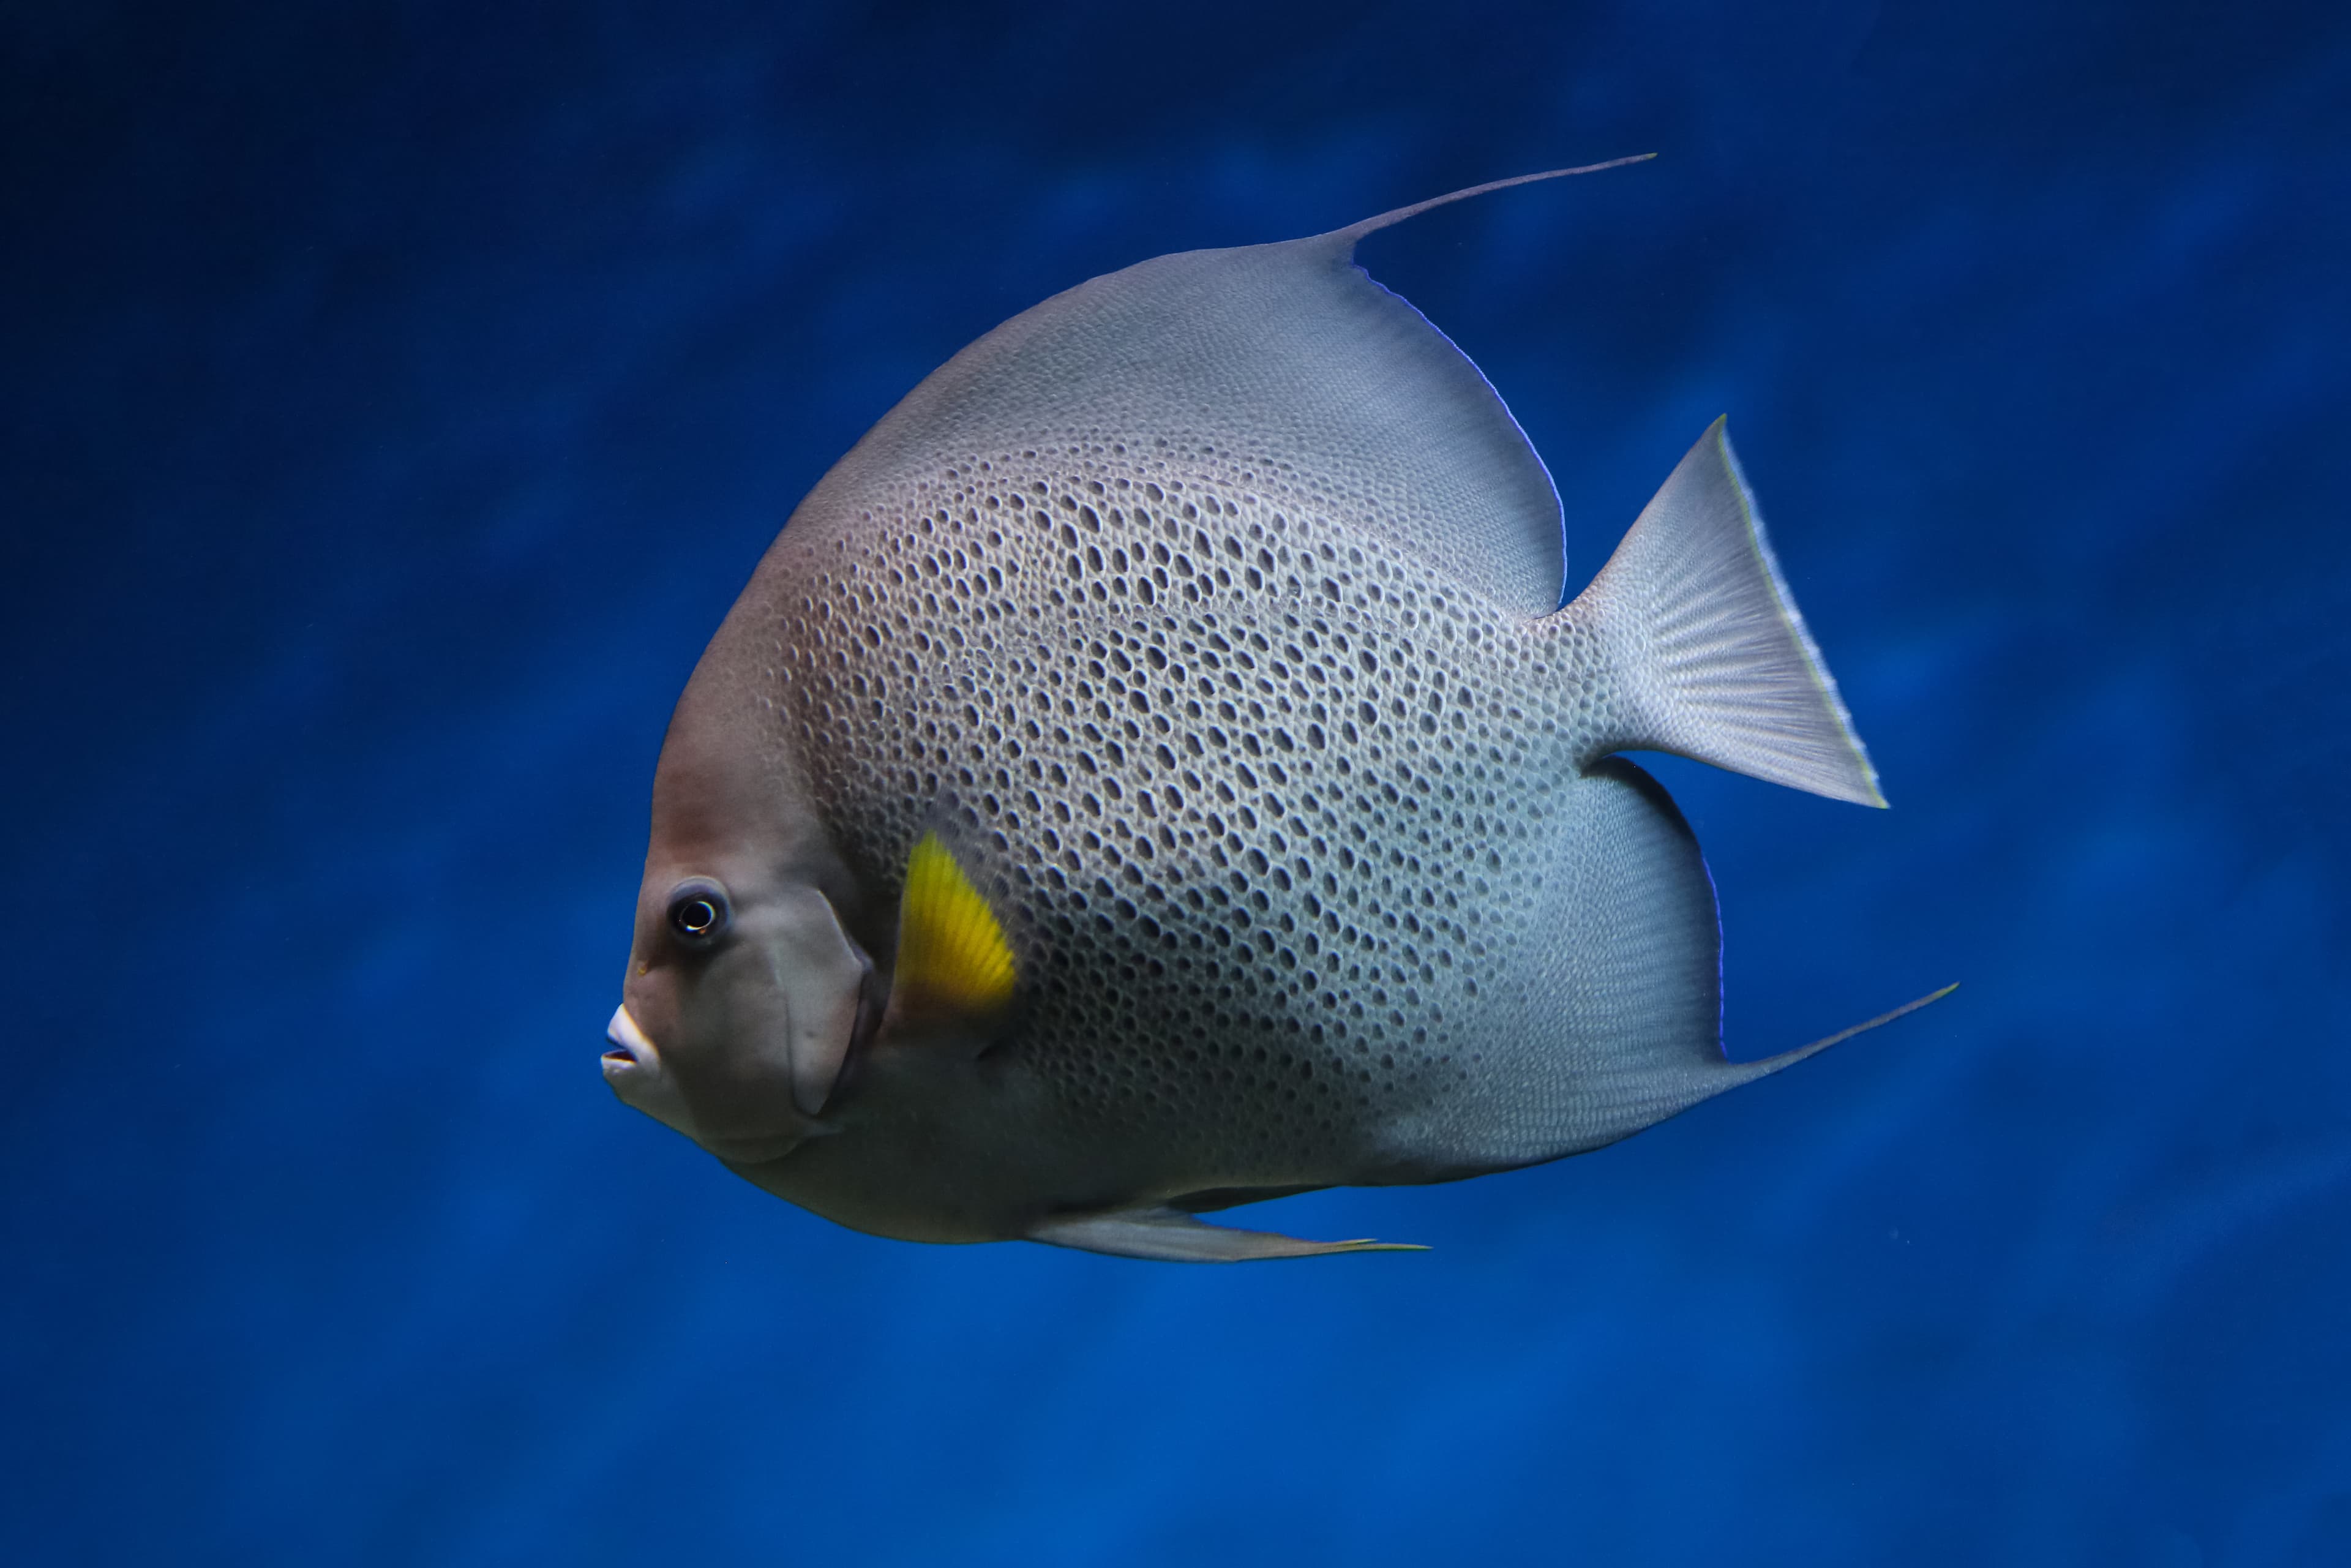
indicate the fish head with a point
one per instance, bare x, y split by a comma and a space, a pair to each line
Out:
745, 993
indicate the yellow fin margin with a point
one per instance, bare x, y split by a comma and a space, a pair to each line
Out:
952, 954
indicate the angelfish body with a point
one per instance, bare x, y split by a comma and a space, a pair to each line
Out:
1151, 772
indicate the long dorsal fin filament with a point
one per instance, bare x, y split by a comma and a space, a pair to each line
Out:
1356, 231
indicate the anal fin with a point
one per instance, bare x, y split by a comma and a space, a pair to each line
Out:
1170, 1236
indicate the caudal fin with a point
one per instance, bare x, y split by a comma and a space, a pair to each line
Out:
1706, 653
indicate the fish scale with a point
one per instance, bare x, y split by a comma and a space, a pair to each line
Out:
1152, 772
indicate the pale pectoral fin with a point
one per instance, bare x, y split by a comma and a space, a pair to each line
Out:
1168, 1236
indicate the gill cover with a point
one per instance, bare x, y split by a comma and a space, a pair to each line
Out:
821, 976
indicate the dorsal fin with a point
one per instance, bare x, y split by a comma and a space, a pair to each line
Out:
1283, 360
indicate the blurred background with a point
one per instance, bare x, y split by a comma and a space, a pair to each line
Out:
394, 396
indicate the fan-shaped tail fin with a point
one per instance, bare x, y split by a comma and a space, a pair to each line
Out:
1709, 655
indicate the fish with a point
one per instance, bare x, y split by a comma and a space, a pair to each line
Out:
1154, 771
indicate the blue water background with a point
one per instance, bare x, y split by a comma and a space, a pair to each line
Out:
396, 396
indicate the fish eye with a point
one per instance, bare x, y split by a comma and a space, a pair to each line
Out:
698, 912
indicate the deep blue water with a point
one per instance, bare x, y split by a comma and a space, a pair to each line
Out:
396, 396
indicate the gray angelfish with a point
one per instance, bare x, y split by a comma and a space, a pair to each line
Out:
1152, 772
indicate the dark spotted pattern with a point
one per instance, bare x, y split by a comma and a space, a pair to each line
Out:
1263, 805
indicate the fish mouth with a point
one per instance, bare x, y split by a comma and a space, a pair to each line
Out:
632, 1052
634, 1072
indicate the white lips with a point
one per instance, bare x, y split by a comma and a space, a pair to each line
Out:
636, 1054
633, 1072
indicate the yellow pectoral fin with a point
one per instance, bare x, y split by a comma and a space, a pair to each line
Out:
952, 955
